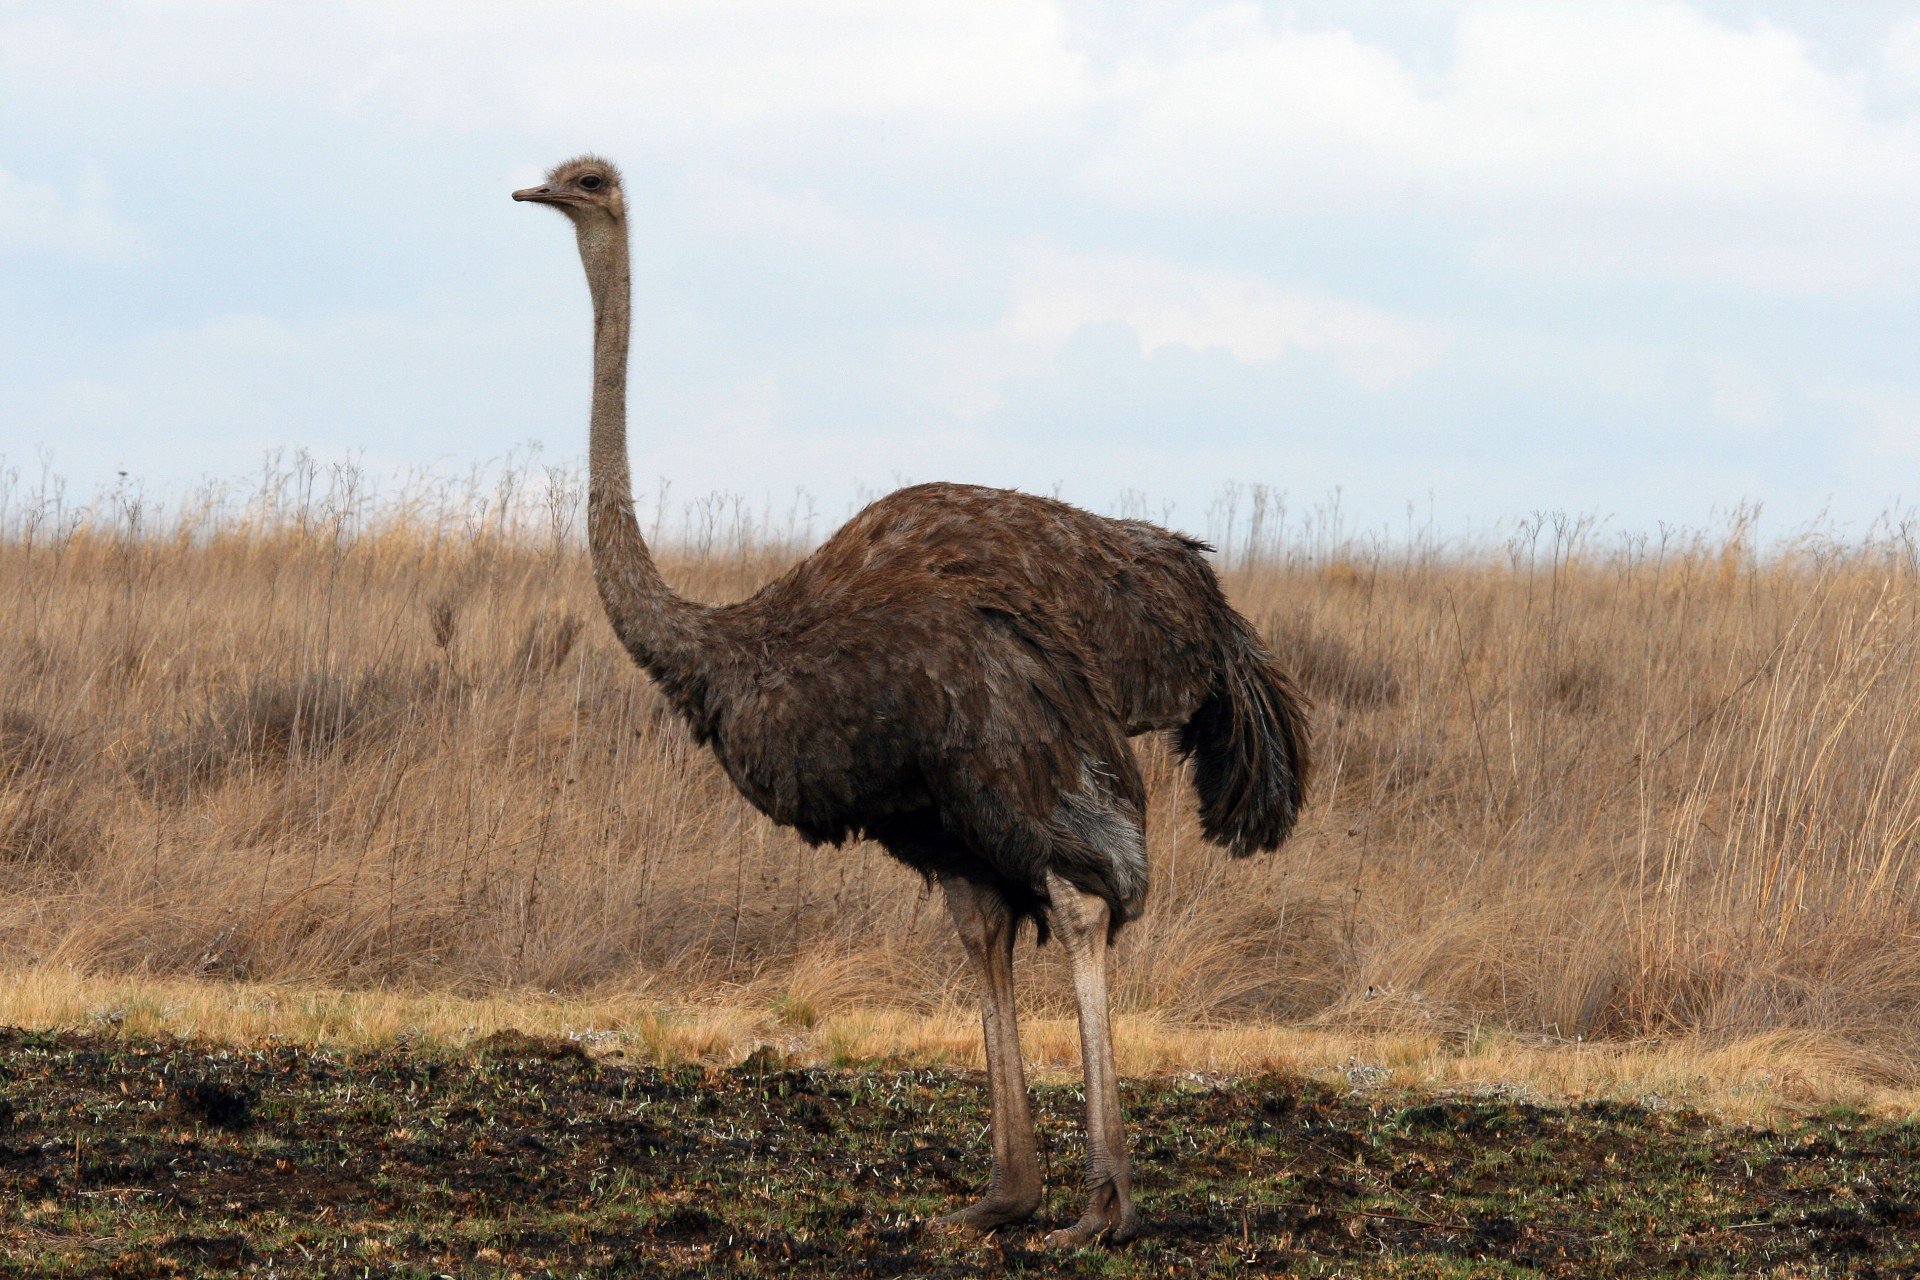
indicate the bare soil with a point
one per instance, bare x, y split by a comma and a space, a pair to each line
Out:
522, 1155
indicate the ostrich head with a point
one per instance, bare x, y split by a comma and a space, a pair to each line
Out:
583, 188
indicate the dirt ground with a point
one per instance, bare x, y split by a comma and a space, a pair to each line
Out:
523, 1156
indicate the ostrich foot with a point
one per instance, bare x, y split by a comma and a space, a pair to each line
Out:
988, 1214
1110, 1216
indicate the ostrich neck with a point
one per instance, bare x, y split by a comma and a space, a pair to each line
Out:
661, 630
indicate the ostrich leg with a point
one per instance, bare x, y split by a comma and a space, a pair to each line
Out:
1079, 921
987, 930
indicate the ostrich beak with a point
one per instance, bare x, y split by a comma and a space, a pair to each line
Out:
543, 194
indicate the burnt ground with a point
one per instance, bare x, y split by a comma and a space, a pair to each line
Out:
123, 1157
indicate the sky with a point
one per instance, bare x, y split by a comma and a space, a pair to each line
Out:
1640, 260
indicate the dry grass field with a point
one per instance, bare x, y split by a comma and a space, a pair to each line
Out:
1571, 788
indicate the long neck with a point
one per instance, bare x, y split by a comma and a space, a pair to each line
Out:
661, 630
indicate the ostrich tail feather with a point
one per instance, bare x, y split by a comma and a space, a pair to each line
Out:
1249, 743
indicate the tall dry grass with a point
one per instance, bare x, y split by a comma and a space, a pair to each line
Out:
1585, 787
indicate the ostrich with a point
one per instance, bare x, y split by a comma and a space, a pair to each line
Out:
955, 675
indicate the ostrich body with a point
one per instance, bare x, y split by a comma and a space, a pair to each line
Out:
955, 674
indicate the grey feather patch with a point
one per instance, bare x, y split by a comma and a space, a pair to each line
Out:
1102, 840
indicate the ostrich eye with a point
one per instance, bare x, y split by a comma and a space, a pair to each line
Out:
591, 182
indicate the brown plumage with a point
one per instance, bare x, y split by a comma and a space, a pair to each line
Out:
955, 674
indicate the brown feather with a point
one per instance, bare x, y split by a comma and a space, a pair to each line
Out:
956, 671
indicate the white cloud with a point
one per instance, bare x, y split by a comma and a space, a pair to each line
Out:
748, 62
662, 66
1900, 53
1638, 136
1053, 294
1167, 305
1639, 99
38, 215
